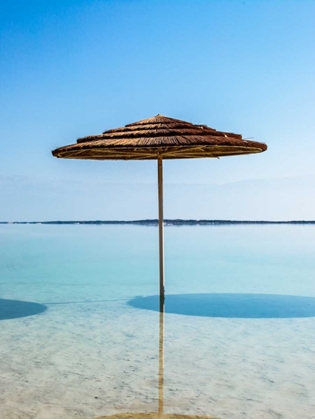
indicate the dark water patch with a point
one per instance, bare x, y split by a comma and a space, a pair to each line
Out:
231, 305
10, 309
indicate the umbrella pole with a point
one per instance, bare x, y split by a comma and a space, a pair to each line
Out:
161, 227
162, 289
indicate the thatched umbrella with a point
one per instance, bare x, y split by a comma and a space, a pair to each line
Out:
159, 138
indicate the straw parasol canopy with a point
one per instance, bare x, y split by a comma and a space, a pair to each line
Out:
159, 136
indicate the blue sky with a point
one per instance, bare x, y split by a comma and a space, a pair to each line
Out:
78, 67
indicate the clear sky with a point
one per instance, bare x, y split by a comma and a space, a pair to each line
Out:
78, 67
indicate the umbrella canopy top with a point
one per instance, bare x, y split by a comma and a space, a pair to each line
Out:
159, 136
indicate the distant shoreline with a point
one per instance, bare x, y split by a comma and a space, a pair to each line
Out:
167, 222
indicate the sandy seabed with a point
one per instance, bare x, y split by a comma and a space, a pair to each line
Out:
88, 360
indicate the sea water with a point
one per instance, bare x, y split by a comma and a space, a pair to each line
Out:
80, 322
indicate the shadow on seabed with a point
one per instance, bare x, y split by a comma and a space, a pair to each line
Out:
231, 305
10, 309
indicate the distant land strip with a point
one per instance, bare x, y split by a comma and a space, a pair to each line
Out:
167, 222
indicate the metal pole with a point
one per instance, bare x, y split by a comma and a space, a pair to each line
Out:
161, 227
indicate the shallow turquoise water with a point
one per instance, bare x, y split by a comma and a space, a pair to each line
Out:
68, 313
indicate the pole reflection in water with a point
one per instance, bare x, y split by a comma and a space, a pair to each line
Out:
161, 356
160, 414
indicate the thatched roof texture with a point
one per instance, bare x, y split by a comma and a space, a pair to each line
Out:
159, 136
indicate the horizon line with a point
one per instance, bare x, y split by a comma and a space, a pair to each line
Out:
155, 221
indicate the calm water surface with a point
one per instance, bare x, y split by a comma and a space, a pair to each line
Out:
79, 321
